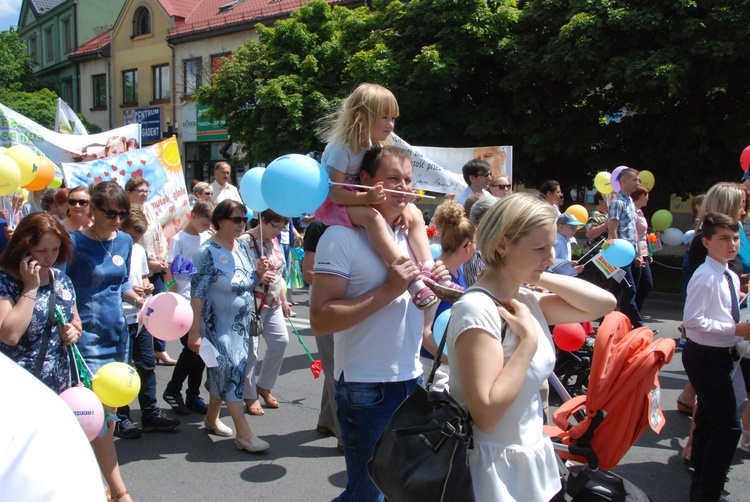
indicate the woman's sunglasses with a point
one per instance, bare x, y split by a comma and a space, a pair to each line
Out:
238, 219
111, 214
504, 187
78, 202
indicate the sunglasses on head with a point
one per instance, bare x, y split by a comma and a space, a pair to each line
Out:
237, 219
111, 214
78, 202
503, 186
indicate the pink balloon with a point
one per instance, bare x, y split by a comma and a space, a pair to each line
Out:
168, 316
569, 337
87, 408
614, 183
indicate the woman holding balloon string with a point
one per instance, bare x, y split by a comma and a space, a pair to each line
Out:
78, 214
501, 348
458, 246
273, 307
100, 273
222, 299
26, 278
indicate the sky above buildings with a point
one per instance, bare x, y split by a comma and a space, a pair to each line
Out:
9, 10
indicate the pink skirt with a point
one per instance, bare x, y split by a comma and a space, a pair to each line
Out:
334, 214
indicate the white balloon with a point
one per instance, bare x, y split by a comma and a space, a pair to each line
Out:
672, 236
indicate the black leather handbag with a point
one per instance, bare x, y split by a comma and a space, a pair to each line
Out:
422, 454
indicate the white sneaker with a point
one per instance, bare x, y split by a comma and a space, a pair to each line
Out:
218, 428
254, 444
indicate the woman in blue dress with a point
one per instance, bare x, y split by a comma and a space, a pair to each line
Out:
223, 310
26, 274
100, 271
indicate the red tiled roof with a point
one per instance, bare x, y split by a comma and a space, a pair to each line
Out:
93, 46
180, 8
208, 16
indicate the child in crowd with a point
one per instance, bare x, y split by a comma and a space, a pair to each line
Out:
711, 320
189, 364
365, 120
566, 229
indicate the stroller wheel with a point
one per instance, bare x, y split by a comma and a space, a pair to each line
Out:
574, 375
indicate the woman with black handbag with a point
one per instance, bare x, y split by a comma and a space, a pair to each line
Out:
497, 378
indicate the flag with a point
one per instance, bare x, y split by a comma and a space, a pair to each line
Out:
66, 120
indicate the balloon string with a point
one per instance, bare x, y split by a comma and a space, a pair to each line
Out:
300, 339
365, 187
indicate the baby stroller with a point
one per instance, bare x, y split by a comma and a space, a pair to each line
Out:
595, 431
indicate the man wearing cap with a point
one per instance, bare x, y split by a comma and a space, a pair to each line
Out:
566, 229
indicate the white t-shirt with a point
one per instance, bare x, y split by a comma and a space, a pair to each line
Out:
138, 268
45, 454
186, 245
339, 157
230, 192
385, 346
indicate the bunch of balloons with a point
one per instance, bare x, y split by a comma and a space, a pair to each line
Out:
21, 167
291, 186
607, 183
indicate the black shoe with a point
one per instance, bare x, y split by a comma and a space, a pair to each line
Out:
126, 429
174, 399
197, 404
159, 422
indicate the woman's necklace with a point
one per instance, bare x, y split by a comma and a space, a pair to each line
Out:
221, 242
111, 243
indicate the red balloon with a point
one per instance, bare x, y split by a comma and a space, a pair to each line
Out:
745, 158
569, 337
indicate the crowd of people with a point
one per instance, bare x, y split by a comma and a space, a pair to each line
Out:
95, 254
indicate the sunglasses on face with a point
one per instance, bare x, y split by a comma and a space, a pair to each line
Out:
208, 193
111, 214
238, 219
78, 202
504, 187
486, 175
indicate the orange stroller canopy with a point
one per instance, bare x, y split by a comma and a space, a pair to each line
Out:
623, 394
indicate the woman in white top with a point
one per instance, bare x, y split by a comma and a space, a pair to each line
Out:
498, 376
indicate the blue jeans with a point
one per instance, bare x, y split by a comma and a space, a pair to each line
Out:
644, 283
363, 411
625, 293
142, 353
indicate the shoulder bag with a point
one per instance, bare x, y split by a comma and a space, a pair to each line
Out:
256, 321
47, 333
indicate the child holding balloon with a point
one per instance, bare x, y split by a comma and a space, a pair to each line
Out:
365, 120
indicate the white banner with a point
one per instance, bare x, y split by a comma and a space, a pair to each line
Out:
66, 120
439, 169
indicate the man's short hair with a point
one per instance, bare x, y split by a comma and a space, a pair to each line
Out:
221, 164
629, 171
712, 222
372, 159
598, 196
473, 168
549, 186
203, 209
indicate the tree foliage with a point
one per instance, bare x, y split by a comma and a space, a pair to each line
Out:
15, 65
546, 76
39, 106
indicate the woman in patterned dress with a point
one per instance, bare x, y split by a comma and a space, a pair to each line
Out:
222, 300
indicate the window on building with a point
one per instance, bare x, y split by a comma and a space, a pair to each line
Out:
192, 76
161, 82
67, 36
141, 21
66, 90
217, 60
49, 43
130, 86
33, 50
99, 86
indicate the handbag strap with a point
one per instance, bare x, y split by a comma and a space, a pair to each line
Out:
47, 332
437, 362
265, 290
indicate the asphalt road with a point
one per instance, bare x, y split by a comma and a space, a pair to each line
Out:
303, 465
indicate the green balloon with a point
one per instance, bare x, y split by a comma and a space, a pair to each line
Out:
55, 183
661, 220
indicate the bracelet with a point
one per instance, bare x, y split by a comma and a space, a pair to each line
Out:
29, 296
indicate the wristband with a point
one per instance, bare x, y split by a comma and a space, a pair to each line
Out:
29, 296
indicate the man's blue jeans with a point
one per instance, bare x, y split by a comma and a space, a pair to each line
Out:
625, 292
363, 411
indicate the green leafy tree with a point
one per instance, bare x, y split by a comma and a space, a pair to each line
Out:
15, 65
39, 106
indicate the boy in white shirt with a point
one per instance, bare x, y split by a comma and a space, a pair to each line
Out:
189, 364
712, 326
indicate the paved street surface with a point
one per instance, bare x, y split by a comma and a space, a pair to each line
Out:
303, 465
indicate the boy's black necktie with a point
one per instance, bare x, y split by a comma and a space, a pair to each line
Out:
733, 294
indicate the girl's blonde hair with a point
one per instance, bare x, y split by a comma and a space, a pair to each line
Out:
513, 217
351, 123
453, 224
725, 198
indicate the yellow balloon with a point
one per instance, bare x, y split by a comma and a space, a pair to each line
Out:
26, 160
45, 174
578, 212
647, 179
10, 175
116, 384
601, 182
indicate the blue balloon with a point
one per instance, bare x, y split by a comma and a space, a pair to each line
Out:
688, 238
438, 328
436, 250
618, 252
295, 184
250, 190
250, 213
